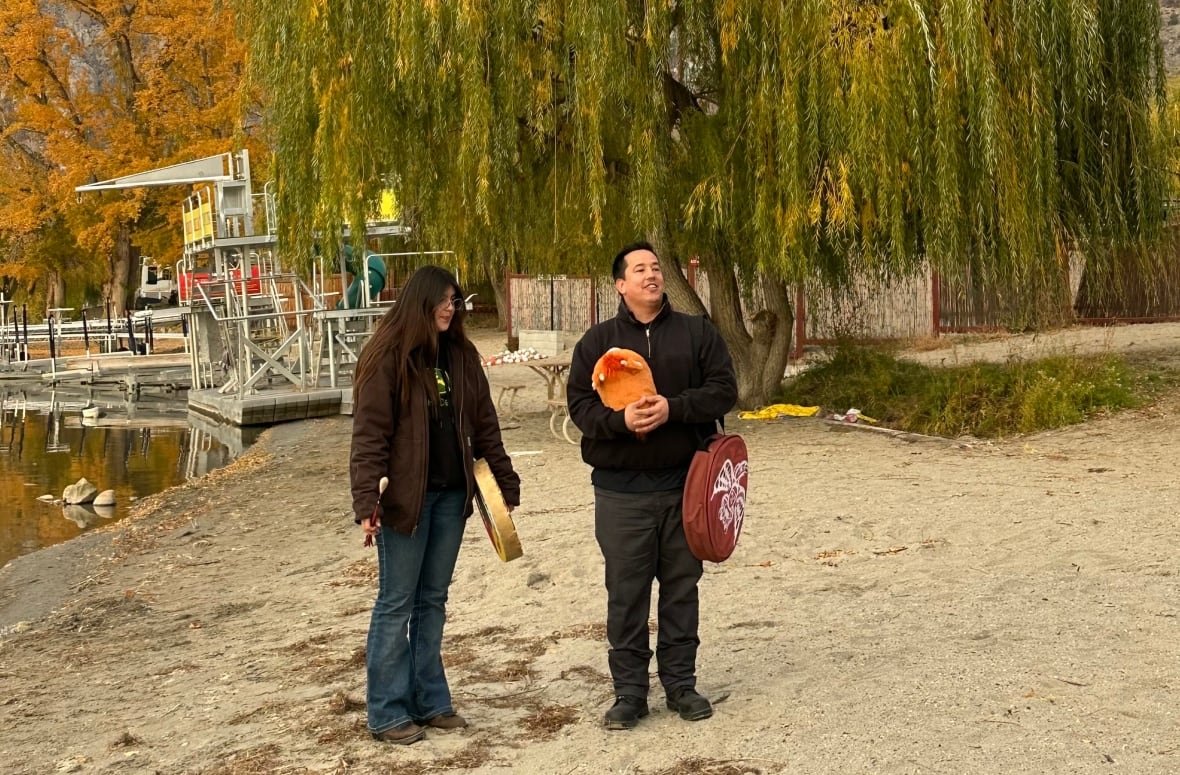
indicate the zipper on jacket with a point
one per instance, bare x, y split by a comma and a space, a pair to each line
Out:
458, 399
648, 332
468, 460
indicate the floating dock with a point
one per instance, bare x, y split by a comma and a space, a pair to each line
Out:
267, 406
262, 344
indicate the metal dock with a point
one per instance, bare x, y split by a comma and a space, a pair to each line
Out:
261, 344
266, 407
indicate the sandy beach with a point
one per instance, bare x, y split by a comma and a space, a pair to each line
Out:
893, 607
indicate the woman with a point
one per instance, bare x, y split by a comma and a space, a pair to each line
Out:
422, 414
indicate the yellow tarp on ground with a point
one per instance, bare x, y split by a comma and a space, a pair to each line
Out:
775, 411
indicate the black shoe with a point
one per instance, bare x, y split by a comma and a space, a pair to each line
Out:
626, 712
690, 705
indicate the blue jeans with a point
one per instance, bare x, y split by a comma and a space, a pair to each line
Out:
406, 681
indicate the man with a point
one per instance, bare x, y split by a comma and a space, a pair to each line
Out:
640, 457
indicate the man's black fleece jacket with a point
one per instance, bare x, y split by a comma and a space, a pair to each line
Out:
691, 368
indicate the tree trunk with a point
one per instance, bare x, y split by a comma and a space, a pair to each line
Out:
495, 277
773, 330
683, 296
760, 353
55, 291
119, 273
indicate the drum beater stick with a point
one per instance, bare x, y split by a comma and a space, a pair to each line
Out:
376, 518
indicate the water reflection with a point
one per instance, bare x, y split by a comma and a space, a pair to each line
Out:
135, 449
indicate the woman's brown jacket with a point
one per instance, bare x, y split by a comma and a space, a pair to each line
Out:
393, 440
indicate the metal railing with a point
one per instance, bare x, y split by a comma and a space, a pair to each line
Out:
248, 330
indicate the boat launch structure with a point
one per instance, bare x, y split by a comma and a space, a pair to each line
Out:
264, 345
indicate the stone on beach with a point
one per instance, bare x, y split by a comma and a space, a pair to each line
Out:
81, 491
105, 498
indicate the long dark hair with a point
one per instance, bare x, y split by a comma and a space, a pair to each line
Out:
407, 336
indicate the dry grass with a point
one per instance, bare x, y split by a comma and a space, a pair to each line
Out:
478, 635
925, 344
532, 647
755, 625
701, 766
524, 699
474, 756
340, 703
833, 557
321, 655
260, 760
513, 670
265, 709
458, 657
585, 673
947, 341
336, 733
126, 740
362, 573
100, 614
183, 667
311, 644
226, 610
591, 631
548, 720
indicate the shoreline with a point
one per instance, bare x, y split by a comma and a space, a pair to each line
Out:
35, 584
891, 607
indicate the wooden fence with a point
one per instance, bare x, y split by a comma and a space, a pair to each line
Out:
553, 302
921, 306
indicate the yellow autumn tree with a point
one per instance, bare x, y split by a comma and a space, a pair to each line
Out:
91, 90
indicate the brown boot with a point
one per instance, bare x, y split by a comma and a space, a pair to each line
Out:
446, 721
404, 734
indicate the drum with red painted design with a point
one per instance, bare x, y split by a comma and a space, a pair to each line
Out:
715, 497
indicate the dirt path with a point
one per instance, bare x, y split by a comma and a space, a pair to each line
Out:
892, 608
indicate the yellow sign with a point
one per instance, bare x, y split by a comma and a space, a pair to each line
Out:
387, 209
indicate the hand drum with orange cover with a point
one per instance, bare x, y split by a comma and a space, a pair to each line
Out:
622, 377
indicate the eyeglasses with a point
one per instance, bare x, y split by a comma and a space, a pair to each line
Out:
455, 302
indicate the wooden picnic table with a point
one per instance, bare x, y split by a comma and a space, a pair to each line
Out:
554, 370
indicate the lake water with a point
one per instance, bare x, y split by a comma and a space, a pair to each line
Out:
134, 449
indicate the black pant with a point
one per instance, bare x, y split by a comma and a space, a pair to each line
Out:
642, 538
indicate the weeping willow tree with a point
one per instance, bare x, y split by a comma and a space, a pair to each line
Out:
783, 143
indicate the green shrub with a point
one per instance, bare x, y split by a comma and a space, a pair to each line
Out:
986, 400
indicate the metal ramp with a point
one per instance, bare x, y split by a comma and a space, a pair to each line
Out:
263, 346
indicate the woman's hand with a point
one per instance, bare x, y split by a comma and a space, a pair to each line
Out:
372, 525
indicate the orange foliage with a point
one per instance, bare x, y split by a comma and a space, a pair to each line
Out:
98, 89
